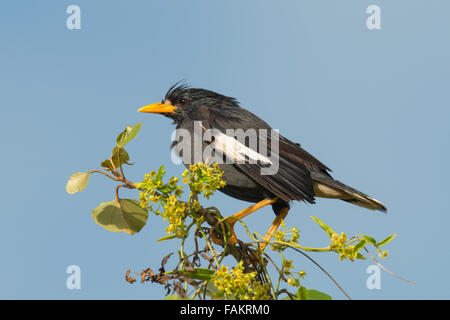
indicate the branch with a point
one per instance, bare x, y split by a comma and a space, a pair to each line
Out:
324, 271
386, 269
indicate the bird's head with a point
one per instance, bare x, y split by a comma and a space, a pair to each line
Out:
182, 103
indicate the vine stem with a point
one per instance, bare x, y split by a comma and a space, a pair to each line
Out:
199, 289
324, 271
182, 245
325, 249
280, 273
210, 248
386, 269
266, 274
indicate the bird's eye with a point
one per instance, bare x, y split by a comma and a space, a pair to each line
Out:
182, 101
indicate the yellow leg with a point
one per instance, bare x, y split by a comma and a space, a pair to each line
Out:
275, 224
241, 214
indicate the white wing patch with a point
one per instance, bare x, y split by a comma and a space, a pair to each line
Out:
237, 151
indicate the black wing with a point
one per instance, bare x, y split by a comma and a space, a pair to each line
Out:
292, 181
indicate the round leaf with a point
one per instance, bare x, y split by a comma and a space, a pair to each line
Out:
119, 154
77, 182
127, 216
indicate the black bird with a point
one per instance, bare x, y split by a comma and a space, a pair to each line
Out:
300, 176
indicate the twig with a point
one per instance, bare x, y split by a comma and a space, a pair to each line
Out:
199, 289
210, 248
266, 274
120, 165
324, 271
104, 173
117, 191
386, 269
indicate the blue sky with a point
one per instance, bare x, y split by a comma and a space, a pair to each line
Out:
372, 105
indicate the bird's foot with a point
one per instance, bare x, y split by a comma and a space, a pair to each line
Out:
217, 233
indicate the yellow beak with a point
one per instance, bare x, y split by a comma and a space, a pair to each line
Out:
158, 108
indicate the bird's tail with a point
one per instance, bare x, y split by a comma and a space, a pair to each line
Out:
327, 187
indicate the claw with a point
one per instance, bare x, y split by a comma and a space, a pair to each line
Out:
232, 240
217, 237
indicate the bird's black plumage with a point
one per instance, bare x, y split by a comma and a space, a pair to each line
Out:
300, 175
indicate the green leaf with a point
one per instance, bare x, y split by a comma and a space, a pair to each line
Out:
116, 155
127, 216
119, 154
302, 293
107, 165
386, 241
324, 226
360, 256
317, 295
311, 294
128, 134
171, 236
77, 182
199, 273
370, 240
160, 173
359, 246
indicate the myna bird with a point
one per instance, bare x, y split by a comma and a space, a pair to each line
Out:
300, 176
